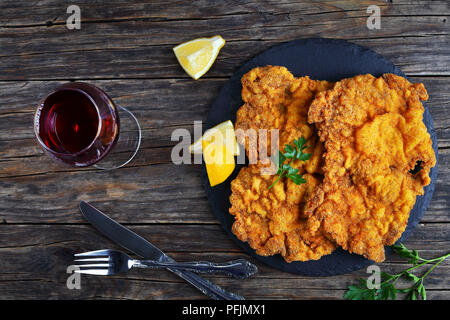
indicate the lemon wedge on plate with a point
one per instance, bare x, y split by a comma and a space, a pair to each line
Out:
198, 55
219, 162
222, 134
219, 147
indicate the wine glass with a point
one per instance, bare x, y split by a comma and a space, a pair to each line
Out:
79, 125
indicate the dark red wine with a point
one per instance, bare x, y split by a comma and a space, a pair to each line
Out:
77, 124
69, 122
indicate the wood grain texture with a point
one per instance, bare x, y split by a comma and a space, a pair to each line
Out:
51, 12
39, 255
126, 49
120, 42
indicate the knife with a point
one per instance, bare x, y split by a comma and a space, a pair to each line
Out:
135, 243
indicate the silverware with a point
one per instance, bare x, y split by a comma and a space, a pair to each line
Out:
110, 262
135, 243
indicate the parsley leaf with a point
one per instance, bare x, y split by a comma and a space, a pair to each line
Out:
387, 289
403, 252
292, 153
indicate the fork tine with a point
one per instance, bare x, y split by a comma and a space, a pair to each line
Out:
97, 272
104, 252
94, 259
95, 265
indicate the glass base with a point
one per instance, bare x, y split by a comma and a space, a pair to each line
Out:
127, 145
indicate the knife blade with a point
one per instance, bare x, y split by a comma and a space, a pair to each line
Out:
140, 246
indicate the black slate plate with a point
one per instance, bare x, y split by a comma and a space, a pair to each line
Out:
320, 59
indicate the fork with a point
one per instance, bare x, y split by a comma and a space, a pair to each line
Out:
109, 262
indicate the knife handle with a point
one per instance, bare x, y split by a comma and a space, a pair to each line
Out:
210, 289
240, 268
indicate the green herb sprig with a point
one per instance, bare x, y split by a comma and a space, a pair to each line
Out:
388, 289
291, 153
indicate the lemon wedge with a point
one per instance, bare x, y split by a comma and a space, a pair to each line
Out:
222, 134
219, 162
219, 147
198, 55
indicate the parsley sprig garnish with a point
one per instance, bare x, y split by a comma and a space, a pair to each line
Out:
387, 289
291, 153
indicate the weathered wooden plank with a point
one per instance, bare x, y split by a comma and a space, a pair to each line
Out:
162, 193
178, 237
156, 103
68, 57
142, 47
146, 193
160, 104
54, 12
124, 289
58, 257
39, 255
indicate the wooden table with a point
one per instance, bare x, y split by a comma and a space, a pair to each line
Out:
126, 49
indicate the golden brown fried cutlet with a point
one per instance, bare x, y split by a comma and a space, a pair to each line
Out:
275, 99
265, 92
271, 220
374, 136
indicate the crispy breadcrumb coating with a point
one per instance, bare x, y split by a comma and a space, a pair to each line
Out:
374, 137
271, 221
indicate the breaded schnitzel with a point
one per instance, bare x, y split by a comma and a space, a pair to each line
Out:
302, 92
265, 92
270, 220
374, 137
274, 99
